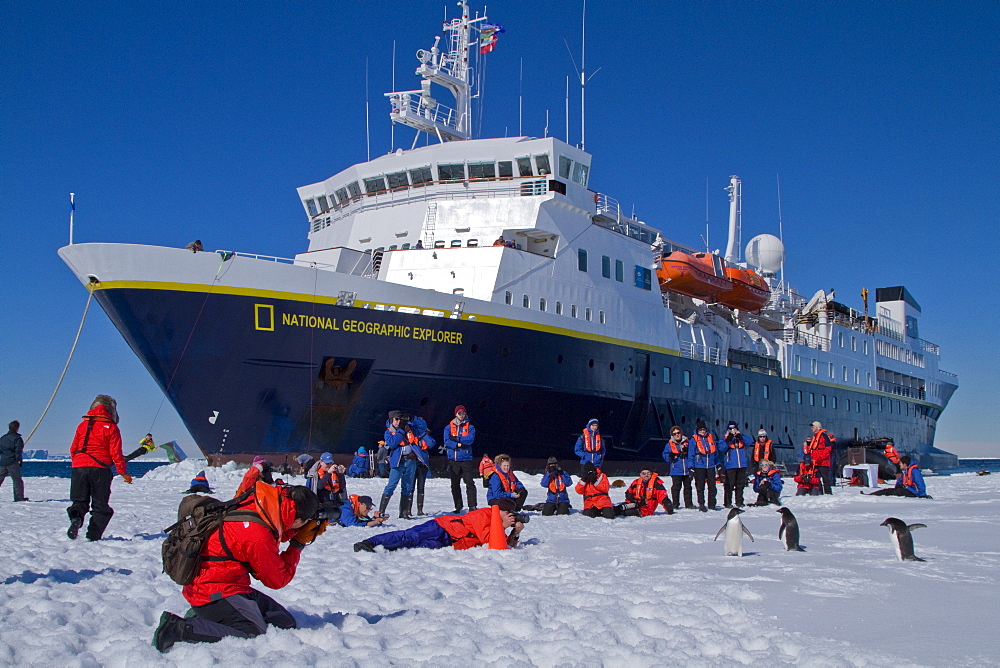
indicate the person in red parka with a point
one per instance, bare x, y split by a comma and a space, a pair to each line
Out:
820, 448
648, 492
222, 601
594, 486
97, 446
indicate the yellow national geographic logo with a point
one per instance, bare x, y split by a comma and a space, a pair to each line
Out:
264, 317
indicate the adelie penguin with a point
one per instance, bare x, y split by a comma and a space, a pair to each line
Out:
734, 533
789, 530
899, 533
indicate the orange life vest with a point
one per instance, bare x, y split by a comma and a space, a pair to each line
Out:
675, 446
908, 476
891, 454
486, 466
701, 446
763, 450
455, 429
592, 442
508, 480
556, 483
816, 442
643, 491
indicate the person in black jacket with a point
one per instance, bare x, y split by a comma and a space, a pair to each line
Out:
11, 454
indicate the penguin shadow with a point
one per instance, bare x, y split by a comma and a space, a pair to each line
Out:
338, 618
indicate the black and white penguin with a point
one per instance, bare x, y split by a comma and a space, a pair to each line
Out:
789, 530
899, 533
734, 533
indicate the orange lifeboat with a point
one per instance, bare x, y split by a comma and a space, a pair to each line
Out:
698, 275
749, 291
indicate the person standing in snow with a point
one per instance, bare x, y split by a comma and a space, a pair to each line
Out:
459, 435
11, 456
704, 457
677, 453
820, 448
97, 446
735, 454
590, 446
222, 601
458, 531
402, 443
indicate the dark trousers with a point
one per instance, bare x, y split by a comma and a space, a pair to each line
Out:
736, 480
240, 615
90, 490
808, 491
421, 479
14, 471
675, 490
766, 494
463, 471
561, 508
608, 512
823, 475
522, 494
893, 491
427, 534
703, 478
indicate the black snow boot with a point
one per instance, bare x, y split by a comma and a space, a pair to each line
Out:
420, 503
364, 546
74, 528
384, 503
171, 630
404, 507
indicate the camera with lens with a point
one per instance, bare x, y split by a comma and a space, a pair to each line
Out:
553, 468
521, 517
321, 513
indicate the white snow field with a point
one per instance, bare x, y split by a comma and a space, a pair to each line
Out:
577, 591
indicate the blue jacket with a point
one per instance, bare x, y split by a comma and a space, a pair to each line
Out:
349, 519
459, 449
680, 461
419, 427
556, 497
736, 451
702, 461
596, 458
773, 476
496, 490
918, 487
359, 466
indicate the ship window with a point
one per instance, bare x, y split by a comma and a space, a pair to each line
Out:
798, 396
580, 173
746, 388
857, 377
814, 367
830, 370
709, 382
603, 318
565, 166
452, 172
822, 401
798, 363
581, 260
854, 343
605, 266
844, 373
456, 243
525, 301
405, 246
508, 298
439, 243
397, 180
869, 408
354, 190
812, 398
323, 205
374, 185
840, 339
542, 164
505, 169
847, 405
727, 384
765, 392
524, 167
833, 404
311, 207
341, 195
393, 247
558, 308
643, 278
864, 346
541, 303
421, 175
687, 378
785, 394
482, 170
572, 311
666, 374
869, 379
588, 313
619, 271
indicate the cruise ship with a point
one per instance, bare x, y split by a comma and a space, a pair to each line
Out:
493, 273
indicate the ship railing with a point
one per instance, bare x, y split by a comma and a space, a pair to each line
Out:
794, 336
929, 347
948, 373
413, 103
279, 260
699, 351
890, 328
901, 390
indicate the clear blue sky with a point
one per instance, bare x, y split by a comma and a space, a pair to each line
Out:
180, 120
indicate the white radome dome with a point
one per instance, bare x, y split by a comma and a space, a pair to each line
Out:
766, 252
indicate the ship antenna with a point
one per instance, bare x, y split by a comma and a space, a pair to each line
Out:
781, 232
582, 73
707, 247
392, 126
520, 99
567, 103
72, 208
368, 136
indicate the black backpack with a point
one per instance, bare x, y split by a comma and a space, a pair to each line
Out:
197, 517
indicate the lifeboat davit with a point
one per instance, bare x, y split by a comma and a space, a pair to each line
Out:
698, 275
749, 291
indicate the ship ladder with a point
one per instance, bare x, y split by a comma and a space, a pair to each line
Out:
430, 223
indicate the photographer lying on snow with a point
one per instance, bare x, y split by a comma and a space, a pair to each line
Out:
459, 531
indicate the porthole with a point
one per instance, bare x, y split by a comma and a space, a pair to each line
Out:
683, 419
559, 360
611, 367
423, 401
591, 364
482, 405
504, 352
475, 348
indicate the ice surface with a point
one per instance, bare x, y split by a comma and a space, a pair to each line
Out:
577, 591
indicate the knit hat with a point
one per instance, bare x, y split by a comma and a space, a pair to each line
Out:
395, 414
762, 432
593, 421
506, 505
699, 426
589, 468
732, 425
460, 409
326, 458
200, 484
552, 460
362, 451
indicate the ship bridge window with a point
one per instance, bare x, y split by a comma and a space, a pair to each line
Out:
354, 190
341, 195
505, 169
421, 175
542, 164
565, 167
619, 271
605, 266
397, 180
324, 206
311, 207
439, 243
580, 173
581, 259
374, 185
482, 170
451, 173
524, 167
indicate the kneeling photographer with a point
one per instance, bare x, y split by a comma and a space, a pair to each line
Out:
557, 482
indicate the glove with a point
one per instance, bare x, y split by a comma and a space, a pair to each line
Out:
309, 532
127, 478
